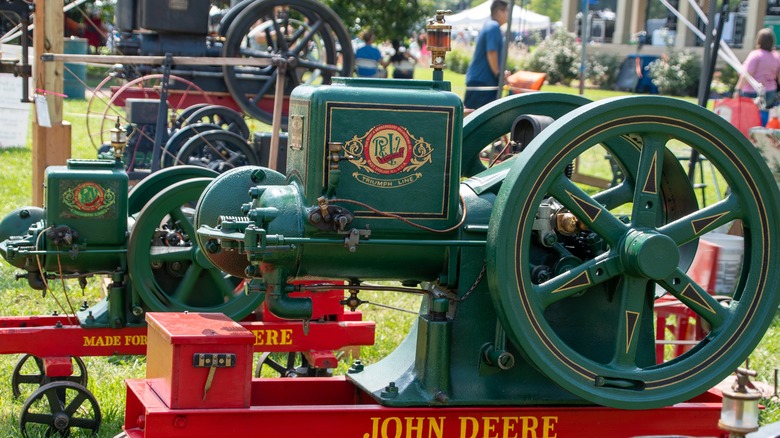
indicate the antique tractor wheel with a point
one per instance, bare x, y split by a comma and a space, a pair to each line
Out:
59, 408
588, 322
307, 34
490, 123
166, 264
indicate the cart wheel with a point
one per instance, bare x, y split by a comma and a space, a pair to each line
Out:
103, 115
174, 144
29, 373
217, 150
100, 96
59, 408
305, 30
224, 117
170, 272
292, 364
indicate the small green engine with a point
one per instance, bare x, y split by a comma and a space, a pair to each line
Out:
84, 227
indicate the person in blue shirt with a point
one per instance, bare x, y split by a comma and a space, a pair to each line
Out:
485, 65
368, 59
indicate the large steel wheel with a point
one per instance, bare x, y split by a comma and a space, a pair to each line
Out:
168, 269
155, 183
304, 31
59, 409
492, 122
222, 116
218, 150
589, 325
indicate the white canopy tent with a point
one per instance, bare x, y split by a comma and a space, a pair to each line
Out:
522, 19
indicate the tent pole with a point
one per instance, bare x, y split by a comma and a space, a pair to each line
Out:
507, 40
584, 40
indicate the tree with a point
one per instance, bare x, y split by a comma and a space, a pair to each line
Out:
388, 19
550, 8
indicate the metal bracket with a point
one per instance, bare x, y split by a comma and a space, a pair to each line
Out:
353, 238
213, 360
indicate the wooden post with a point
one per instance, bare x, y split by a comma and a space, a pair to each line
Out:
50, 146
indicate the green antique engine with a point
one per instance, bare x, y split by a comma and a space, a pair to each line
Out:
540, 289
139, 238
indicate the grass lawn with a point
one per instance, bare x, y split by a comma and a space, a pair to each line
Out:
107, 374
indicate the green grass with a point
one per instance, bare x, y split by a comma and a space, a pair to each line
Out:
107, 374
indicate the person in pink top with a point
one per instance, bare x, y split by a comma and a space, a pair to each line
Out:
763, 64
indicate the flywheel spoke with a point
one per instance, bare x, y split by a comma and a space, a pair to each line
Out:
590, 212
319, 66
696, 298
647, 205
703, 221
171, 253
634, 293
222, 283
265, 88
183, 221
186, 286
308, 37
616, 196
578, 279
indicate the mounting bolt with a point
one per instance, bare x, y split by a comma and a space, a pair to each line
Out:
212, 246
357, 366
180, 422
24, 214
441, 397
549, 239
138, 310
390, 391
257, 175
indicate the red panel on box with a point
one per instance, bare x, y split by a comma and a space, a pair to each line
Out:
176, 342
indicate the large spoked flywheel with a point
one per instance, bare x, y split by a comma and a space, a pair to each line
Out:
304, 32
492, 122
574, 273
168, 268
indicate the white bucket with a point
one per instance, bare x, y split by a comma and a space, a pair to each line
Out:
730, 251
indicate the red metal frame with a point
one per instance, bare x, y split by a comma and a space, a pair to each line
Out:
296, 407
180, 99
52, 336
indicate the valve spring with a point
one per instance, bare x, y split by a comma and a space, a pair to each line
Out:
234, 219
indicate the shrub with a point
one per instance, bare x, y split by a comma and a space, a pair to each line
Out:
458, 60
602, 70
558, 56
676, 74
